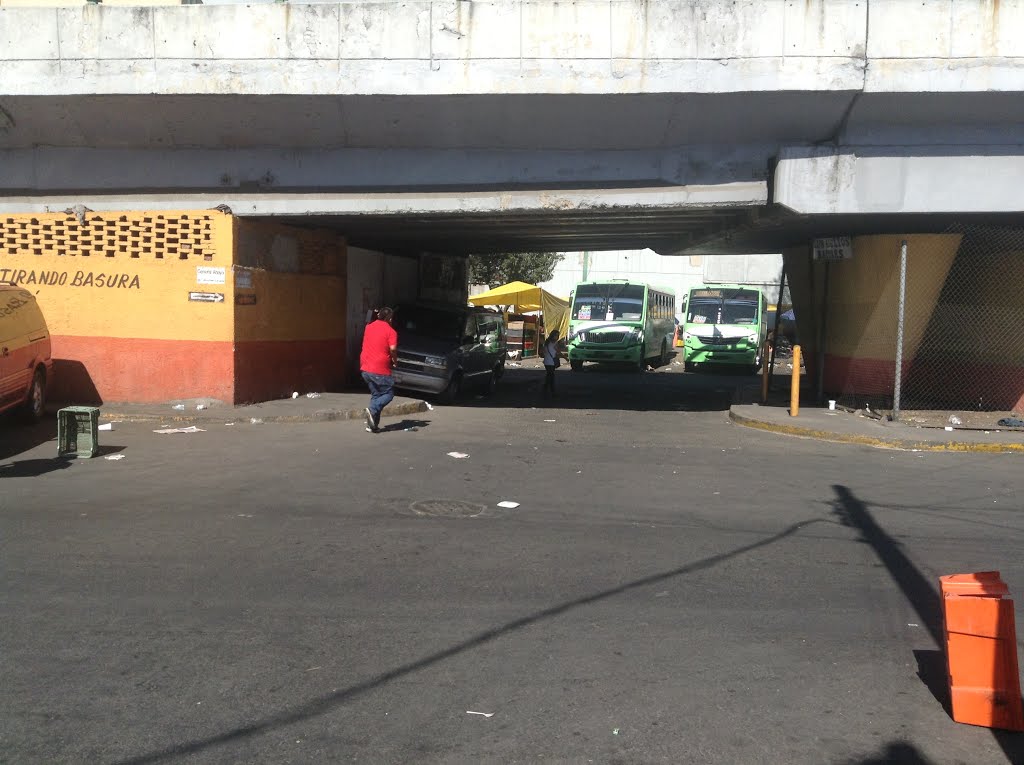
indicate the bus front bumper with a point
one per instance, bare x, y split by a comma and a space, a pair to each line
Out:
720, 356
586, 353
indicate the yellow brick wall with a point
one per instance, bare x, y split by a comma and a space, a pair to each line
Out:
122, 274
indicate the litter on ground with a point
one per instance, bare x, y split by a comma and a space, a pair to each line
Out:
482, 714
429, 406
114, 457
106, 426
179, 407
312, 395
189, 429
509, 505
458, 455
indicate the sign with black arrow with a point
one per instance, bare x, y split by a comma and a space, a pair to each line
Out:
206, 297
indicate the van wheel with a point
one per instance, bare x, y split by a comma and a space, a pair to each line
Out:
35, 407
576, 366
489, 382
453, 391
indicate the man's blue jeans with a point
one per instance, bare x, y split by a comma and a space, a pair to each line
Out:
382, 390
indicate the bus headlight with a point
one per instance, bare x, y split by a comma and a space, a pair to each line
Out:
686, 337
637, 335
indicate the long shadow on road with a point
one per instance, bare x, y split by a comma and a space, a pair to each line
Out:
331, 701
17, 437
608, 388
924, 598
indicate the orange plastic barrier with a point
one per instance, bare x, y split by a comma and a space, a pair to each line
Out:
981, 651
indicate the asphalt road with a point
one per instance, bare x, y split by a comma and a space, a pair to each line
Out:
672, 588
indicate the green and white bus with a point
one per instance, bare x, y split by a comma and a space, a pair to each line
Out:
620, 321
725, 324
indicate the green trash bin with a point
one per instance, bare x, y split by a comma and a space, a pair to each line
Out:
78, 431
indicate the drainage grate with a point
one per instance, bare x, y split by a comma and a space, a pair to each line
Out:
447, 508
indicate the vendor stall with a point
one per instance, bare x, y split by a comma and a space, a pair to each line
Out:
517, 298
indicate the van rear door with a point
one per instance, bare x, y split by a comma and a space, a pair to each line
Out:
20, 322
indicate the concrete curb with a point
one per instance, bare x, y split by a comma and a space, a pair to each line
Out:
211, 416
878, 443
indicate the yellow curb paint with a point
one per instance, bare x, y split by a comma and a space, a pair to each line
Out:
878, 443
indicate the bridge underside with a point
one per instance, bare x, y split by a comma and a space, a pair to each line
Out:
676, 172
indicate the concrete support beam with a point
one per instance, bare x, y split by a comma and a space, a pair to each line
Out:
728, 195
54, 170
901, 179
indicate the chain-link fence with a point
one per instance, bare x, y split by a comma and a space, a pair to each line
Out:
957, 348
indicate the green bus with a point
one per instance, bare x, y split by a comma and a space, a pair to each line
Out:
725, 324
620, 321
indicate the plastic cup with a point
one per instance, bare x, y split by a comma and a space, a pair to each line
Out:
832, 404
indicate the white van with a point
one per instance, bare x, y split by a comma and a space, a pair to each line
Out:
26, 367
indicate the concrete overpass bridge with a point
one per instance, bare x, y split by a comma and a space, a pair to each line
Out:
448, 126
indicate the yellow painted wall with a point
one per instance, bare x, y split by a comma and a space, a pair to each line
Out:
298, 281
292, 307
290, 319
152, 258
864, 293
983, 322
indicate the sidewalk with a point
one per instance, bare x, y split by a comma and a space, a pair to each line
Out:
324, 408
847, 427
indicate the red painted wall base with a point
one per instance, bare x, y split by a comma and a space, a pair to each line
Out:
985, 385
271, 369
94, 370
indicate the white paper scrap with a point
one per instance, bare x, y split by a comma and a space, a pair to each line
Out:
509, 505
549, 421
190, 429
458, 455
114, 457
482, 714
106, 426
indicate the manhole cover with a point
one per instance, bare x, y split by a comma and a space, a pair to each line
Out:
447, 508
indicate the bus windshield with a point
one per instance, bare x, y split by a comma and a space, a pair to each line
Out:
722, 307
608, 302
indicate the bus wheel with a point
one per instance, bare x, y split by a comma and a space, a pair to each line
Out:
664, 353
756, 366
689, 366
576, 366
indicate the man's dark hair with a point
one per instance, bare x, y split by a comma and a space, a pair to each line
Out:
385, 313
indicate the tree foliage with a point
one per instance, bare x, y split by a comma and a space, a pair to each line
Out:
498, 269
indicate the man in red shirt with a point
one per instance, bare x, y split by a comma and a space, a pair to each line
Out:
380, 351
